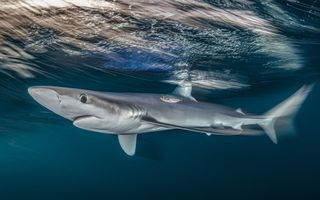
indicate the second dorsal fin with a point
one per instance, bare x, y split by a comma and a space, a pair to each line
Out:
239, 110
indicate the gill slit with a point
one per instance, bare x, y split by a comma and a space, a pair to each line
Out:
137, 111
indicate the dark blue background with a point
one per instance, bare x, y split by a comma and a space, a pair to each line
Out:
42, 156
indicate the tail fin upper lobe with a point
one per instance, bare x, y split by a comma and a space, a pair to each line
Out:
286, 111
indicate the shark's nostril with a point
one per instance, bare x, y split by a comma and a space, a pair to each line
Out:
32, 91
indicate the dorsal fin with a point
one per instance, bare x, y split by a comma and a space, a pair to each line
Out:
184, 89
128, 143
239, 110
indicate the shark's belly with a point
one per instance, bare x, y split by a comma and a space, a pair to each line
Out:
144, 127
182, 117
196, 116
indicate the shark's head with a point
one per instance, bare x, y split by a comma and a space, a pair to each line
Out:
88, 110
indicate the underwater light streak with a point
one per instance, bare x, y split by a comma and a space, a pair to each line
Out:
75, 26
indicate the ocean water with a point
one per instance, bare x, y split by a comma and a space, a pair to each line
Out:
238, 53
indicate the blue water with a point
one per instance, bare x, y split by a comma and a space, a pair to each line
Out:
243, 54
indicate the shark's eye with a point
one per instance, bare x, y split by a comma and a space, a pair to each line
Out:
83, 98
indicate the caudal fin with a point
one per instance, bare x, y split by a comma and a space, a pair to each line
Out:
284, 112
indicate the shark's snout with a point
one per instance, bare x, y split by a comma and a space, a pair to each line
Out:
65, 102
47, 97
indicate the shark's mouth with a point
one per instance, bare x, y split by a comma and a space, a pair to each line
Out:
88, 122
83, 117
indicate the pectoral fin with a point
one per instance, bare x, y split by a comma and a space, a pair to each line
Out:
128, 143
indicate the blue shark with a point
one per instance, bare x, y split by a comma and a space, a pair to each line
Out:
129, 114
